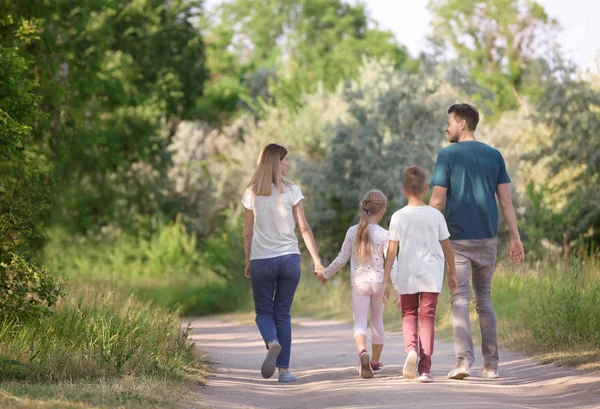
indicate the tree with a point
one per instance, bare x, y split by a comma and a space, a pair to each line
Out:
306, 42
570, 108
115, 78
394, 119
501, 42
26, 290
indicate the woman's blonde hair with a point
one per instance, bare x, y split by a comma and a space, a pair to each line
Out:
268, 170
373, 203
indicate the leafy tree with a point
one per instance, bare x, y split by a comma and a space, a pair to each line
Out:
26, 290
570, 108
115, 78
394, 119
306, 42
501, 42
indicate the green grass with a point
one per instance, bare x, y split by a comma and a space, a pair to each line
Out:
100, 347
548, 309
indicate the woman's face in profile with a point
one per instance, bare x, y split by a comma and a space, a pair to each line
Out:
284, 164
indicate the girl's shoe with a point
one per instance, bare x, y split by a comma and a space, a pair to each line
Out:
286, 377
268, 367
365, 365
376, 366
410, 365
425, 378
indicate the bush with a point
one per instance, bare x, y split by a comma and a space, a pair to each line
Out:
28, 291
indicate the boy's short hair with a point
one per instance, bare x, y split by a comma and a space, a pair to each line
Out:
468, 113
414, 180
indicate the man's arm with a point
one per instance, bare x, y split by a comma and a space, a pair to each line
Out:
438, 198
516, 252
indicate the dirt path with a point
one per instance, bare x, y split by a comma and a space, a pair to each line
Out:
324, 359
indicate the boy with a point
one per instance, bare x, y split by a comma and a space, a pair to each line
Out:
419, 236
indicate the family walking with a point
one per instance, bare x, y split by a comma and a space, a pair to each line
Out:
412, 254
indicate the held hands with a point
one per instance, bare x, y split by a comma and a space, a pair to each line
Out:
318, 272
516, 253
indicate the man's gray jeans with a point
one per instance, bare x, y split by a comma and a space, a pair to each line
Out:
475, 259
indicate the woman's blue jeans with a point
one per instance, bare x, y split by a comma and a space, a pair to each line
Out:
274, 281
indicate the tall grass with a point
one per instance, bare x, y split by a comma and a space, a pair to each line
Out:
167, 267
96, 333
548, 308
107, 343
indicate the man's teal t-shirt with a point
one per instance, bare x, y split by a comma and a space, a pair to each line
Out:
471, 171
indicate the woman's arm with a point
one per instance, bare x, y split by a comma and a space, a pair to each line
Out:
307, 234
248, 233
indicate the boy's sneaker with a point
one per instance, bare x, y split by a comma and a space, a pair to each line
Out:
425, 377
410, 365
459, 373
268, 367
286, 377
489, 373
365, 365
376, 366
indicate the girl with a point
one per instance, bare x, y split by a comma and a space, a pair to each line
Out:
273, 206
365, 244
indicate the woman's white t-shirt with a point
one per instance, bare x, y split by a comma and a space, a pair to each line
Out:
419, 230
274, 222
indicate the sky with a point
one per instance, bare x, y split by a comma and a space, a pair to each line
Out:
580, 38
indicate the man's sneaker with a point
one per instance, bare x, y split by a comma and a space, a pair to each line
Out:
410, 365
286, 377
425, 377
268, 367
376, 366
489, 373
365, 365
459, 373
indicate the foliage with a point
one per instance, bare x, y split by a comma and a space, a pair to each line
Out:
114, 78
503, 44
308, 42
570, 108
393, 120
26, 289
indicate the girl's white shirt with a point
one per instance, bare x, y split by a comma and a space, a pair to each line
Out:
274, 223
372, 270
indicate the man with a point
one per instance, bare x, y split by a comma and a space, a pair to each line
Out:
468, 175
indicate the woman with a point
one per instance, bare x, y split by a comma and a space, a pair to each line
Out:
273, 208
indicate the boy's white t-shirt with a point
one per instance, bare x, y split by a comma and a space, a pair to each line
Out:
419, 230
274, 222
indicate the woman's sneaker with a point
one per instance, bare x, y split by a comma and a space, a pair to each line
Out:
425, 378
410, 365
286, 377
365, 365
268, 367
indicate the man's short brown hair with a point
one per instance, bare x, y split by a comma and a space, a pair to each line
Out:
467, 112
414, 180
